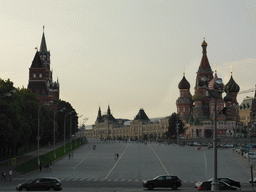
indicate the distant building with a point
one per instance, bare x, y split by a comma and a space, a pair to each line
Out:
197, 111
40, 78
245, 110
107, 127
253, 109
104, 124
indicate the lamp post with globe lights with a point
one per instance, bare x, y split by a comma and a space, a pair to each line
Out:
177, 129
55, 131
38, 137
76, 132
216, 88
65, 130
71, 129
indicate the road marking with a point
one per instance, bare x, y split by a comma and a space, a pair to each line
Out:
82, 160
205, 165
122, 180
116, 180
117, 161
129, 180
82, 179
160, 160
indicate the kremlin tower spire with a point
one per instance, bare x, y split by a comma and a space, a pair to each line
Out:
40, 78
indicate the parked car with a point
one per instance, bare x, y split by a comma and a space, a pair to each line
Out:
228, 146
252, 155
197, 144
241, 149
163, 181
207, 184
254, 180
41, 184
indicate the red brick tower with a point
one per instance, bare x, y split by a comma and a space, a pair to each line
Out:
40, 78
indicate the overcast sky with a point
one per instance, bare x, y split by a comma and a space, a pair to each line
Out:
128, 53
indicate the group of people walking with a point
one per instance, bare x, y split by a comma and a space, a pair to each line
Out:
4, 175
48, 166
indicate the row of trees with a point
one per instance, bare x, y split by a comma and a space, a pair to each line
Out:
19, 112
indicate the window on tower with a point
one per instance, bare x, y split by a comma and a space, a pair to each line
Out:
40, 75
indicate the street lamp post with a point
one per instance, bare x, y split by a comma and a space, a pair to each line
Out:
65, 130
251, 165
177, 129
70, 146
38, 137
78, 131
217, 89
54, 131
248, 139
215, 183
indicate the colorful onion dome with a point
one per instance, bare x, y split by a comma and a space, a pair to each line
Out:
198, 97
231, 86
228, 98
184, 84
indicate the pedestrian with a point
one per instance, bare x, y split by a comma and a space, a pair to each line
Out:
2, 178
4, 175
69, 155
40, 166
117, 155
72, 154
50, 167
10, 175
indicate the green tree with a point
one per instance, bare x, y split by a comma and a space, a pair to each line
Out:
172, 129
19, 112
60, 120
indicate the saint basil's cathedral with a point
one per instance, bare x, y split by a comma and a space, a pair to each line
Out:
40, 78
197, 111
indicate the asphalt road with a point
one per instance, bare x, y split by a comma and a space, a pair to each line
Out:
99, 170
